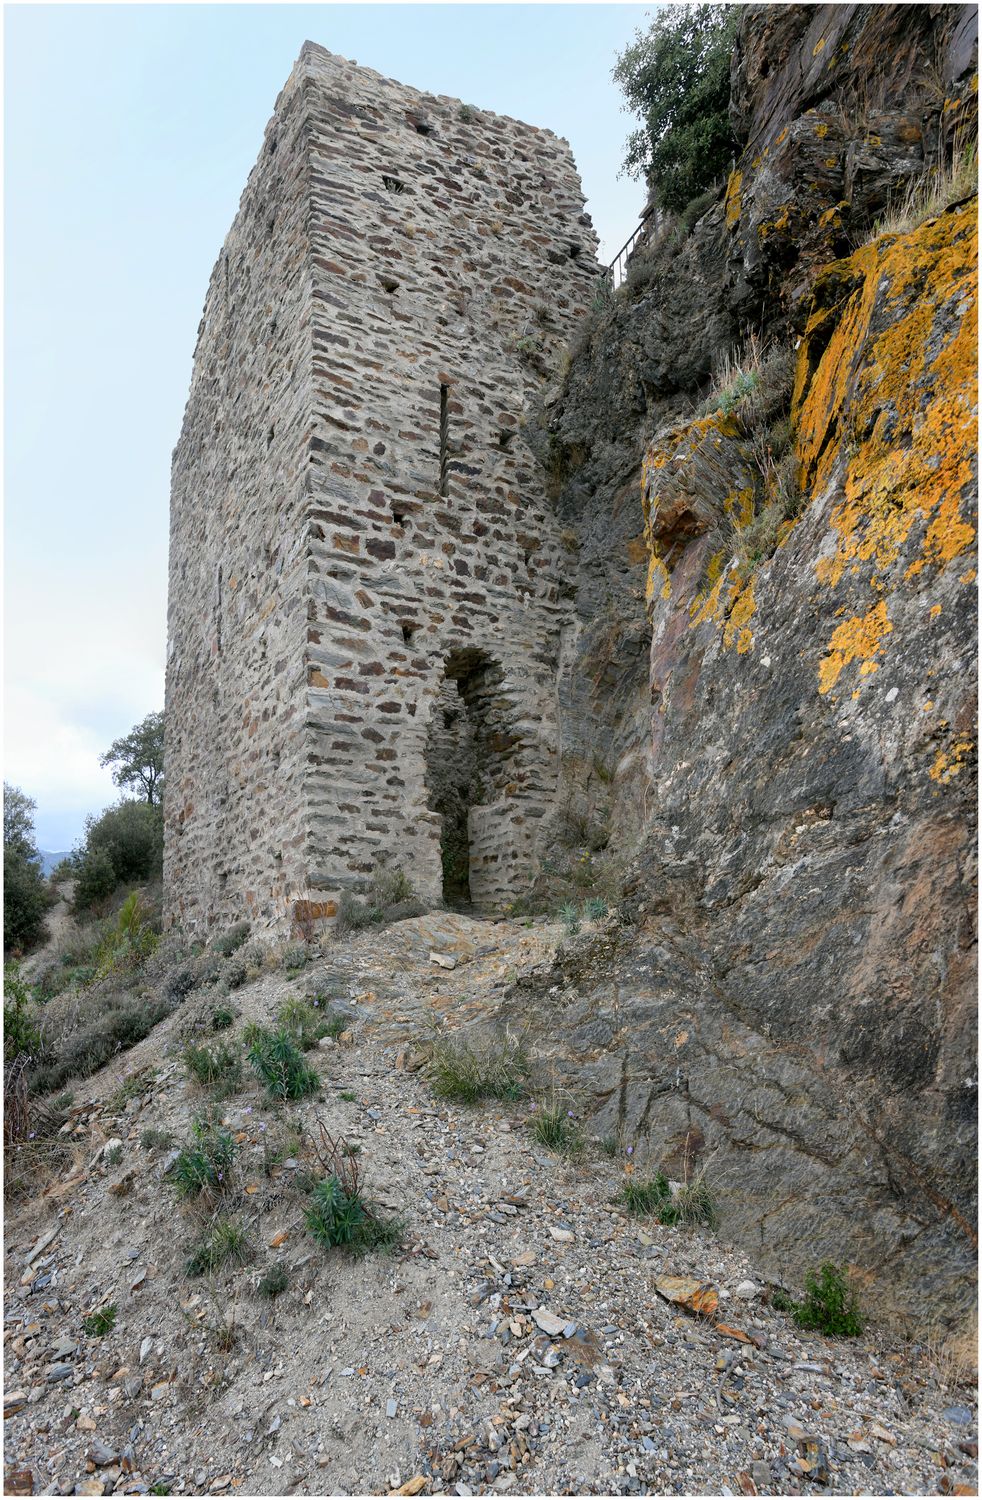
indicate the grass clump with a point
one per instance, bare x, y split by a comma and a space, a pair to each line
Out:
155, 1140
569, 915
226, 1241
927, 197
279, 1064
113, 1156
689, 1205
98, 1324
222, 1018
828, 1306
557, 1129
274, 1282
220, 1065
467, 1075
390, 897
204, 1165
338, 1215
307, 1022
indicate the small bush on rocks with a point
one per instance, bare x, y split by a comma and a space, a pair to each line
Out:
113, 1156
275, 1281
690, 1204
225, 1241
295, 957
828, 1307
205, 1164
338, 1215
179, 983
279, 1064
98, 1324
236, 973
231, 941
469, 1074
97, 1028
306, 1022
222, 1018
220, 1064
156, 1140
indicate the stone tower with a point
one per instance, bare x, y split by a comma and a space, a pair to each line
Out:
366, 580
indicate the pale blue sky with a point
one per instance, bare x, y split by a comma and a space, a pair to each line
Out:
130, 131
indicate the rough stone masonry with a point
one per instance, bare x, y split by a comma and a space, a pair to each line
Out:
367, 584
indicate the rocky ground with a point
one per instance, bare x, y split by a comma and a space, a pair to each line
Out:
521, 1339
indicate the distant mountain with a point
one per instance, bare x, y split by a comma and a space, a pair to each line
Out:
51, 858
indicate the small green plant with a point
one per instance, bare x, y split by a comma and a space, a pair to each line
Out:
497, 1070
295, 957
595, 908
828, 1306
274, 1282
113, 1156
21, 1034
220, 1065
225, 1241
569, 915
98, 1324
231, 941
348, 1096
155, 1140
610, 1145
690, 1204
467, 112
222, 1018
160, 1488
307, 1022
205, 1164
556, 1128
338, 1215
279, 1064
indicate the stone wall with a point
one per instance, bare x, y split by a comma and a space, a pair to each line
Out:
355, 504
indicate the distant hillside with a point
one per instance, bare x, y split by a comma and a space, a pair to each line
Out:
51, 858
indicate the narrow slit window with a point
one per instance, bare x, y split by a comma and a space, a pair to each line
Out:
444, 437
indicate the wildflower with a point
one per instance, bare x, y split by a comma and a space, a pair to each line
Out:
630, 1150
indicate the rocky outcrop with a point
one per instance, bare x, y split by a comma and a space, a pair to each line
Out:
792, 1009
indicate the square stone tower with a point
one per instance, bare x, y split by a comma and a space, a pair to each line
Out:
366, 579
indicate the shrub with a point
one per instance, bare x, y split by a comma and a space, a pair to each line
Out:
21, 1033
26, 897
225, 1241
828, 1307
179, 983
220, 1064
646, 1197
595, 909
96, 880
98, 1324
569, 915
338, 1215
129, 941
295, 957
231, 941
155, 1140
497, 1070
236, 973
131, 834
113, 1156
205, 1163
279, 1064
102, 1026
676, 76
307, 1023
274, 1282
390, 898
222, 1018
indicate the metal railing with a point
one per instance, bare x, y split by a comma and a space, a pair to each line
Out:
617, 270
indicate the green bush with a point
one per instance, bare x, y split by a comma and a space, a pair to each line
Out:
26, 897
205, 1163
179, 983
275, 1281
231, 941
95, 881
691, 1204
279, 1064
107, 1025
21, 1033
131, 837
828, 1307
225, 1241
676, 77
222, 1018
98, 1324
496, 1070
152, 1139
556, 1128
307, 1022
340, 1218
569, 915
129, 941
221, 1064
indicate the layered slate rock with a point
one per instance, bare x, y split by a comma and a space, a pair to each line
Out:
358, 527
791, 1006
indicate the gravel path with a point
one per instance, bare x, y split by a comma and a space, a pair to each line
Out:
517, 1342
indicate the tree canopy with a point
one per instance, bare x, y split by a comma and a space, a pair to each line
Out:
676, 76
137, 759
25, 892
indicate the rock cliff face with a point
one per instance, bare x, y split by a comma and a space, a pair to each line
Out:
773, 662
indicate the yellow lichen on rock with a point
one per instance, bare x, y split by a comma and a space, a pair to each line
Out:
733, 201
948, 763
857, 639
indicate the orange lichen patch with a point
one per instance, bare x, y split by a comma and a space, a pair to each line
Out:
657, 581
740, 506
857, 639
934, 611
884, 403
819, 46
968, 577
734, 631
821, 131
733, 199
948, 763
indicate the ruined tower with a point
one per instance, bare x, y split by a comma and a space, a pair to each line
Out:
366, 579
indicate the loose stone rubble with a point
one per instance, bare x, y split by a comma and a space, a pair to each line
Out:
521, 1340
